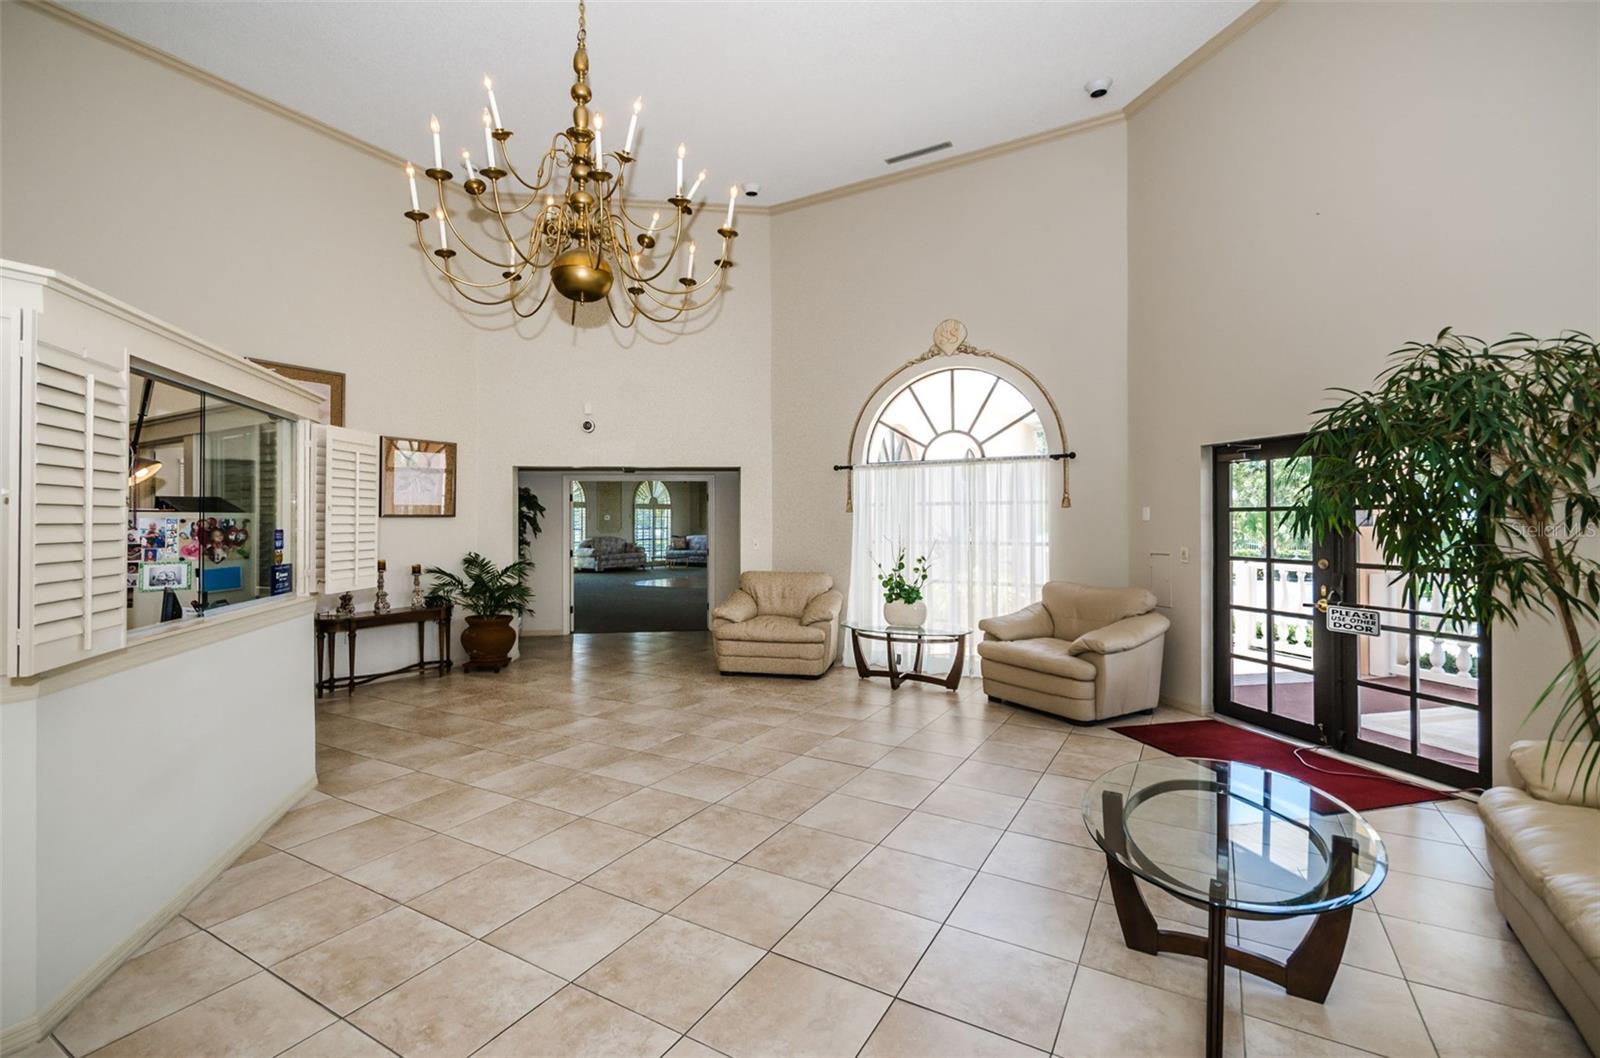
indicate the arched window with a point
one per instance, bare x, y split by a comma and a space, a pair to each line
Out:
954, 464
652, 518
956, 413
580, 515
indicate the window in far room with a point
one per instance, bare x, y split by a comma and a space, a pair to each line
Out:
580, 516
652, 518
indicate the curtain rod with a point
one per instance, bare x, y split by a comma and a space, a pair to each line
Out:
948, 462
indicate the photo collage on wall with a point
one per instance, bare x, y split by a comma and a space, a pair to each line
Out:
162, 551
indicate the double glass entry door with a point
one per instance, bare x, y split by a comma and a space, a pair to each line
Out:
1413, 697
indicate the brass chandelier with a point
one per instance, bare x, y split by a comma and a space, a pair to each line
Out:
574, 221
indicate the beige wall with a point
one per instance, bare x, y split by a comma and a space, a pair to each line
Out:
859, 283
1337, 181
276, 241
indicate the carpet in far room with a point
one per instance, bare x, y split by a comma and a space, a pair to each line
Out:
640, 600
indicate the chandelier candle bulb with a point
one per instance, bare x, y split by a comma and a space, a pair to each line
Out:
466, 163
494, 108
438, 153
682, 150
696, 185
599, 148
733, 196
688, 272
488, 141
655, 221
444, 243
411, 178
633, 125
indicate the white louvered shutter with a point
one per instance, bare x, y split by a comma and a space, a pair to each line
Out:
347, 508
72, 499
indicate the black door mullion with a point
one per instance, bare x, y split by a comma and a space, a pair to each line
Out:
1336, 659
1223, 588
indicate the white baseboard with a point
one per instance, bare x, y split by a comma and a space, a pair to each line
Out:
31, 1030
1189, 707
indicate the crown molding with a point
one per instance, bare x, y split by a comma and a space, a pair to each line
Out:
172, 62
1232, 31
970, 157
1229, 33
211, 80
1203, 54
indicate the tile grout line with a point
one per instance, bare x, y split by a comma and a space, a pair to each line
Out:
923, 723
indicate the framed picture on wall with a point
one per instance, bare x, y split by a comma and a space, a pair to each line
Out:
328, 385
419, 479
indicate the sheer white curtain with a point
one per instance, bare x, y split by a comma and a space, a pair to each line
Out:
985, 525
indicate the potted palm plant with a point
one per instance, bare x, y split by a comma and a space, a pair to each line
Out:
493, 597
1478, 463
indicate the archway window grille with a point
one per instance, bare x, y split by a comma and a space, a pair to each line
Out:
652, 518
580, 515
956, 414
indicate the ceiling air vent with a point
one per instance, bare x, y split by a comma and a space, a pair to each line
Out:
918, 153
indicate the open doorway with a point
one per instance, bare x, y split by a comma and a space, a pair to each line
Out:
640, 551
632, 551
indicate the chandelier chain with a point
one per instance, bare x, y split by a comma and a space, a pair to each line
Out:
583, 24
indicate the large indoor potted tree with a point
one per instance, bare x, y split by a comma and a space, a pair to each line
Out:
493, 598
1476, 465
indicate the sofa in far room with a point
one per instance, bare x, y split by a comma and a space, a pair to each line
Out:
690, 550
600, 553
1544, 845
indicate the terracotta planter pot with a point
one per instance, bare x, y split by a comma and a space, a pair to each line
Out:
488, 642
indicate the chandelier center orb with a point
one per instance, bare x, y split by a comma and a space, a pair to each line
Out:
579, 275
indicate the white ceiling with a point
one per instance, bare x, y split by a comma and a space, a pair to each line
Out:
800, 97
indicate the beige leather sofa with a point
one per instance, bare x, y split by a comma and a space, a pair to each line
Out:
1084, 653
784, 624
1544, 845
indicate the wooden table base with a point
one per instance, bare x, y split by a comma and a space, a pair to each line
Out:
949, 680
1308, 973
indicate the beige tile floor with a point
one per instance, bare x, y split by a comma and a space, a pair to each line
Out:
609, 850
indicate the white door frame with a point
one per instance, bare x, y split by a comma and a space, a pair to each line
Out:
662, 474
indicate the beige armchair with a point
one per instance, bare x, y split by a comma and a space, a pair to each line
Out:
1084, 653
783, 624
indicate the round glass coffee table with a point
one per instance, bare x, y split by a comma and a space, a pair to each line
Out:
1235, 840
893, 636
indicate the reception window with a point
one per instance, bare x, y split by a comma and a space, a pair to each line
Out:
211, 488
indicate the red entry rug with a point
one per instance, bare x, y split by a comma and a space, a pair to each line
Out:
1361, 788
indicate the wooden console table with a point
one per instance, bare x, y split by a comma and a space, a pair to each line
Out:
330, 624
